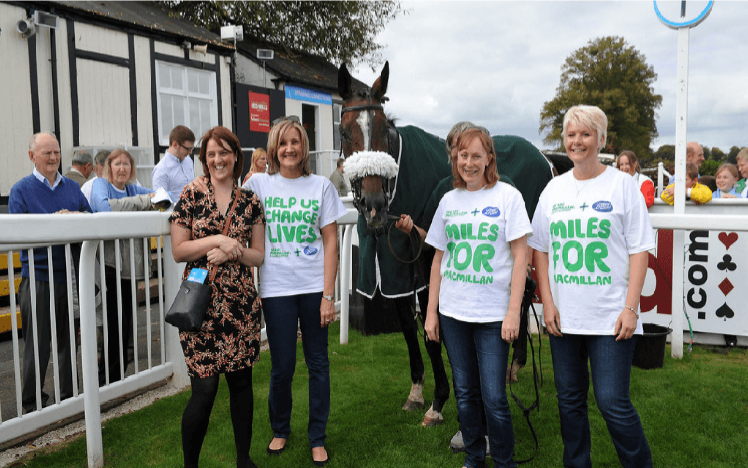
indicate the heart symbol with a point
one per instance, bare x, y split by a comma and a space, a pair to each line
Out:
727, 264
728, 239
725, 311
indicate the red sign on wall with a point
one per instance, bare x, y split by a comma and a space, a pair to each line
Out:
259, 112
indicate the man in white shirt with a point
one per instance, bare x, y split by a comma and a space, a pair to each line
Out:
176, 169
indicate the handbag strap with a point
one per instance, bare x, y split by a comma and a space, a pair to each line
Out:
226, 225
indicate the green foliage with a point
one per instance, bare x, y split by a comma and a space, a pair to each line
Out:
717, 155
709, 167
731, 156
342, 32
707, 152
615, 77
665, 152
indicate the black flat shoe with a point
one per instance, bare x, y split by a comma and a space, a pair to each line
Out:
322, 462
276, 451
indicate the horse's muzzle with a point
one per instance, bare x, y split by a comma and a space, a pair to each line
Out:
373, 207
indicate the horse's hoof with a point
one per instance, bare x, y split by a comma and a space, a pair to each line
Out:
411, 405
432, 418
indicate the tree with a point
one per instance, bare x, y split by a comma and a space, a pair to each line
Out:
731, 156
665, 152
708, 167
615, 77
717, 154
342, 32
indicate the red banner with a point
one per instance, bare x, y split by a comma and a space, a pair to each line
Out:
259, 112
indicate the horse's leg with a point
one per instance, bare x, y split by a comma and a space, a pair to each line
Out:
441, 382
408, 325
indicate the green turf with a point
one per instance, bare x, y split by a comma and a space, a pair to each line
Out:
694, 412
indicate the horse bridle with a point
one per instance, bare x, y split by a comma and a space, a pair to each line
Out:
388, 185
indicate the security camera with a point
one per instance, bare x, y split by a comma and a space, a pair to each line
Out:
26, 28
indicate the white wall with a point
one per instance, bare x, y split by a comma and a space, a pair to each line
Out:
15, 100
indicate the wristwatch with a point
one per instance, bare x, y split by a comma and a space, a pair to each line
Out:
329, 298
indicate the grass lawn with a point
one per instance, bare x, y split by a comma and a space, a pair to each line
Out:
694, 412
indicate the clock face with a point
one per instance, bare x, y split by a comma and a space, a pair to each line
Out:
682, 14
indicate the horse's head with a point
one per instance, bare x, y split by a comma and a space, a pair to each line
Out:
364, 135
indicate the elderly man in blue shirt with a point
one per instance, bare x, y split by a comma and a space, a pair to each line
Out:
45, 191
176, 169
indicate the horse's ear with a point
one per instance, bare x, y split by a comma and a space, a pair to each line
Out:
345, 84
379, 88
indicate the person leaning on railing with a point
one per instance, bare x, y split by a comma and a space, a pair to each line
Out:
742, 163
628, 163
45, 191
117, 191
698, 193
229, 341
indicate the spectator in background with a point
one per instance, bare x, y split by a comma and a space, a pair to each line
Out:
259, 163
117, 191
82, 167
695, 156
338, 180
99, 163
176, 169
698, 193
627, 162
727, 177
742, 162
45, 191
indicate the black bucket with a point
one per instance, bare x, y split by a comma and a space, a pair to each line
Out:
649, 352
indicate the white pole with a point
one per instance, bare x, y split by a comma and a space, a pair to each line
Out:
681, 130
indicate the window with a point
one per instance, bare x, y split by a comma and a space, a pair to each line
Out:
186, 96
336, 117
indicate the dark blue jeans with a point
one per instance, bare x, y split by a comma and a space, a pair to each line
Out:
281, 317
610, 362
479, 358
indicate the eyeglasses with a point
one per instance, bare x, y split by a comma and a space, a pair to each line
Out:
189, 150
292, 118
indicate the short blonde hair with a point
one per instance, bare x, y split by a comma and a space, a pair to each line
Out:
742, 155
114, 155
591, 117
731, 168
277, 133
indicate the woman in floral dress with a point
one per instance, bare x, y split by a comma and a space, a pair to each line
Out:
229, 340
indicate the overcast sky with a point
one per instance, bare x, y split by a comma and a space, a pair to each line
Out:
497, 63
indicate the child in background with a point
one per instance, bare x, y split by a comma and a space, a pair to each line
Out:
727, 176
742, 159
698, 193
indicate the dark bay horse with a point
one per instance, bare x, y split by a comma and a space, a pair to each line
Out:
393, 172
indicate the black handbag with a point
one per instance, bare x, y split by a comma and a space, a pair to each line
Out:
188, 309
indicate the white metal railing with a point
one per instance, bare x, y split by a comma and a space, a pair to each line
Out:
24, 231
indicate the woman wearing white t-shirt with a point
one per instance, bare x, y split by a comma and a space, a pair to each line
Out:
591, 236
298, 278
479, 234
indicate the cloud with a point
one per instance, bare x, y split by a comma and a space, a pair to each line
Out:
497, 63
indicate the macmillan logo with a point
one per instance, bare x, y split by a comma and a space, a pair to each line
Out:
561, 207
603, 206
491, 212
453, 213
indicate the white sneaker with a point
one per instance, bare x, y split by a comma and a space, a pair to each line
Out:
457, 444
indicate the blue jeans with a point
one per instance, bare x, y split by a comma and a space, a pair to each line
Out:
281, 317
479, 359
610, 362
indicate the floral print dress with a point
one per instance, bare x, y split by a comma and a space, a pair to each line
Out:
229, 339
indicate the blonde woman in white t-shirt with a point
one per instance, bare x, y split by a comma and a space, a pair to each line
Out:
591, 233
479, 234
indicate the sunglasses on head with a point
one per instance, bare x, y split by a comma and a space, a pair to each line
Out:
292, 118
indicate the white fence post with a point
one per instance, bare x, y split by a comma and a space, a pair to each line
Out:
87, 302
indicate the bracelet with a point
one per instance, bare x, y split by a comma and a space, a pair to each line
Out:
632, 310
329, 298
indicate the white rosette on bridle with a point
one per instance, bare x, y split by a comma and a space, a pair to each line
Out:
370, 163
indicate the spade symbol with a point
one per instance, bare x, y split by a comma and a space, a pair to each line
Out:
725, 311
726, 264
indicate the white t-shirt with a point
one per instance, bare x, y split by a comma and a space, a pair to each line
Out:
589, 228
295, 210
474, 229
